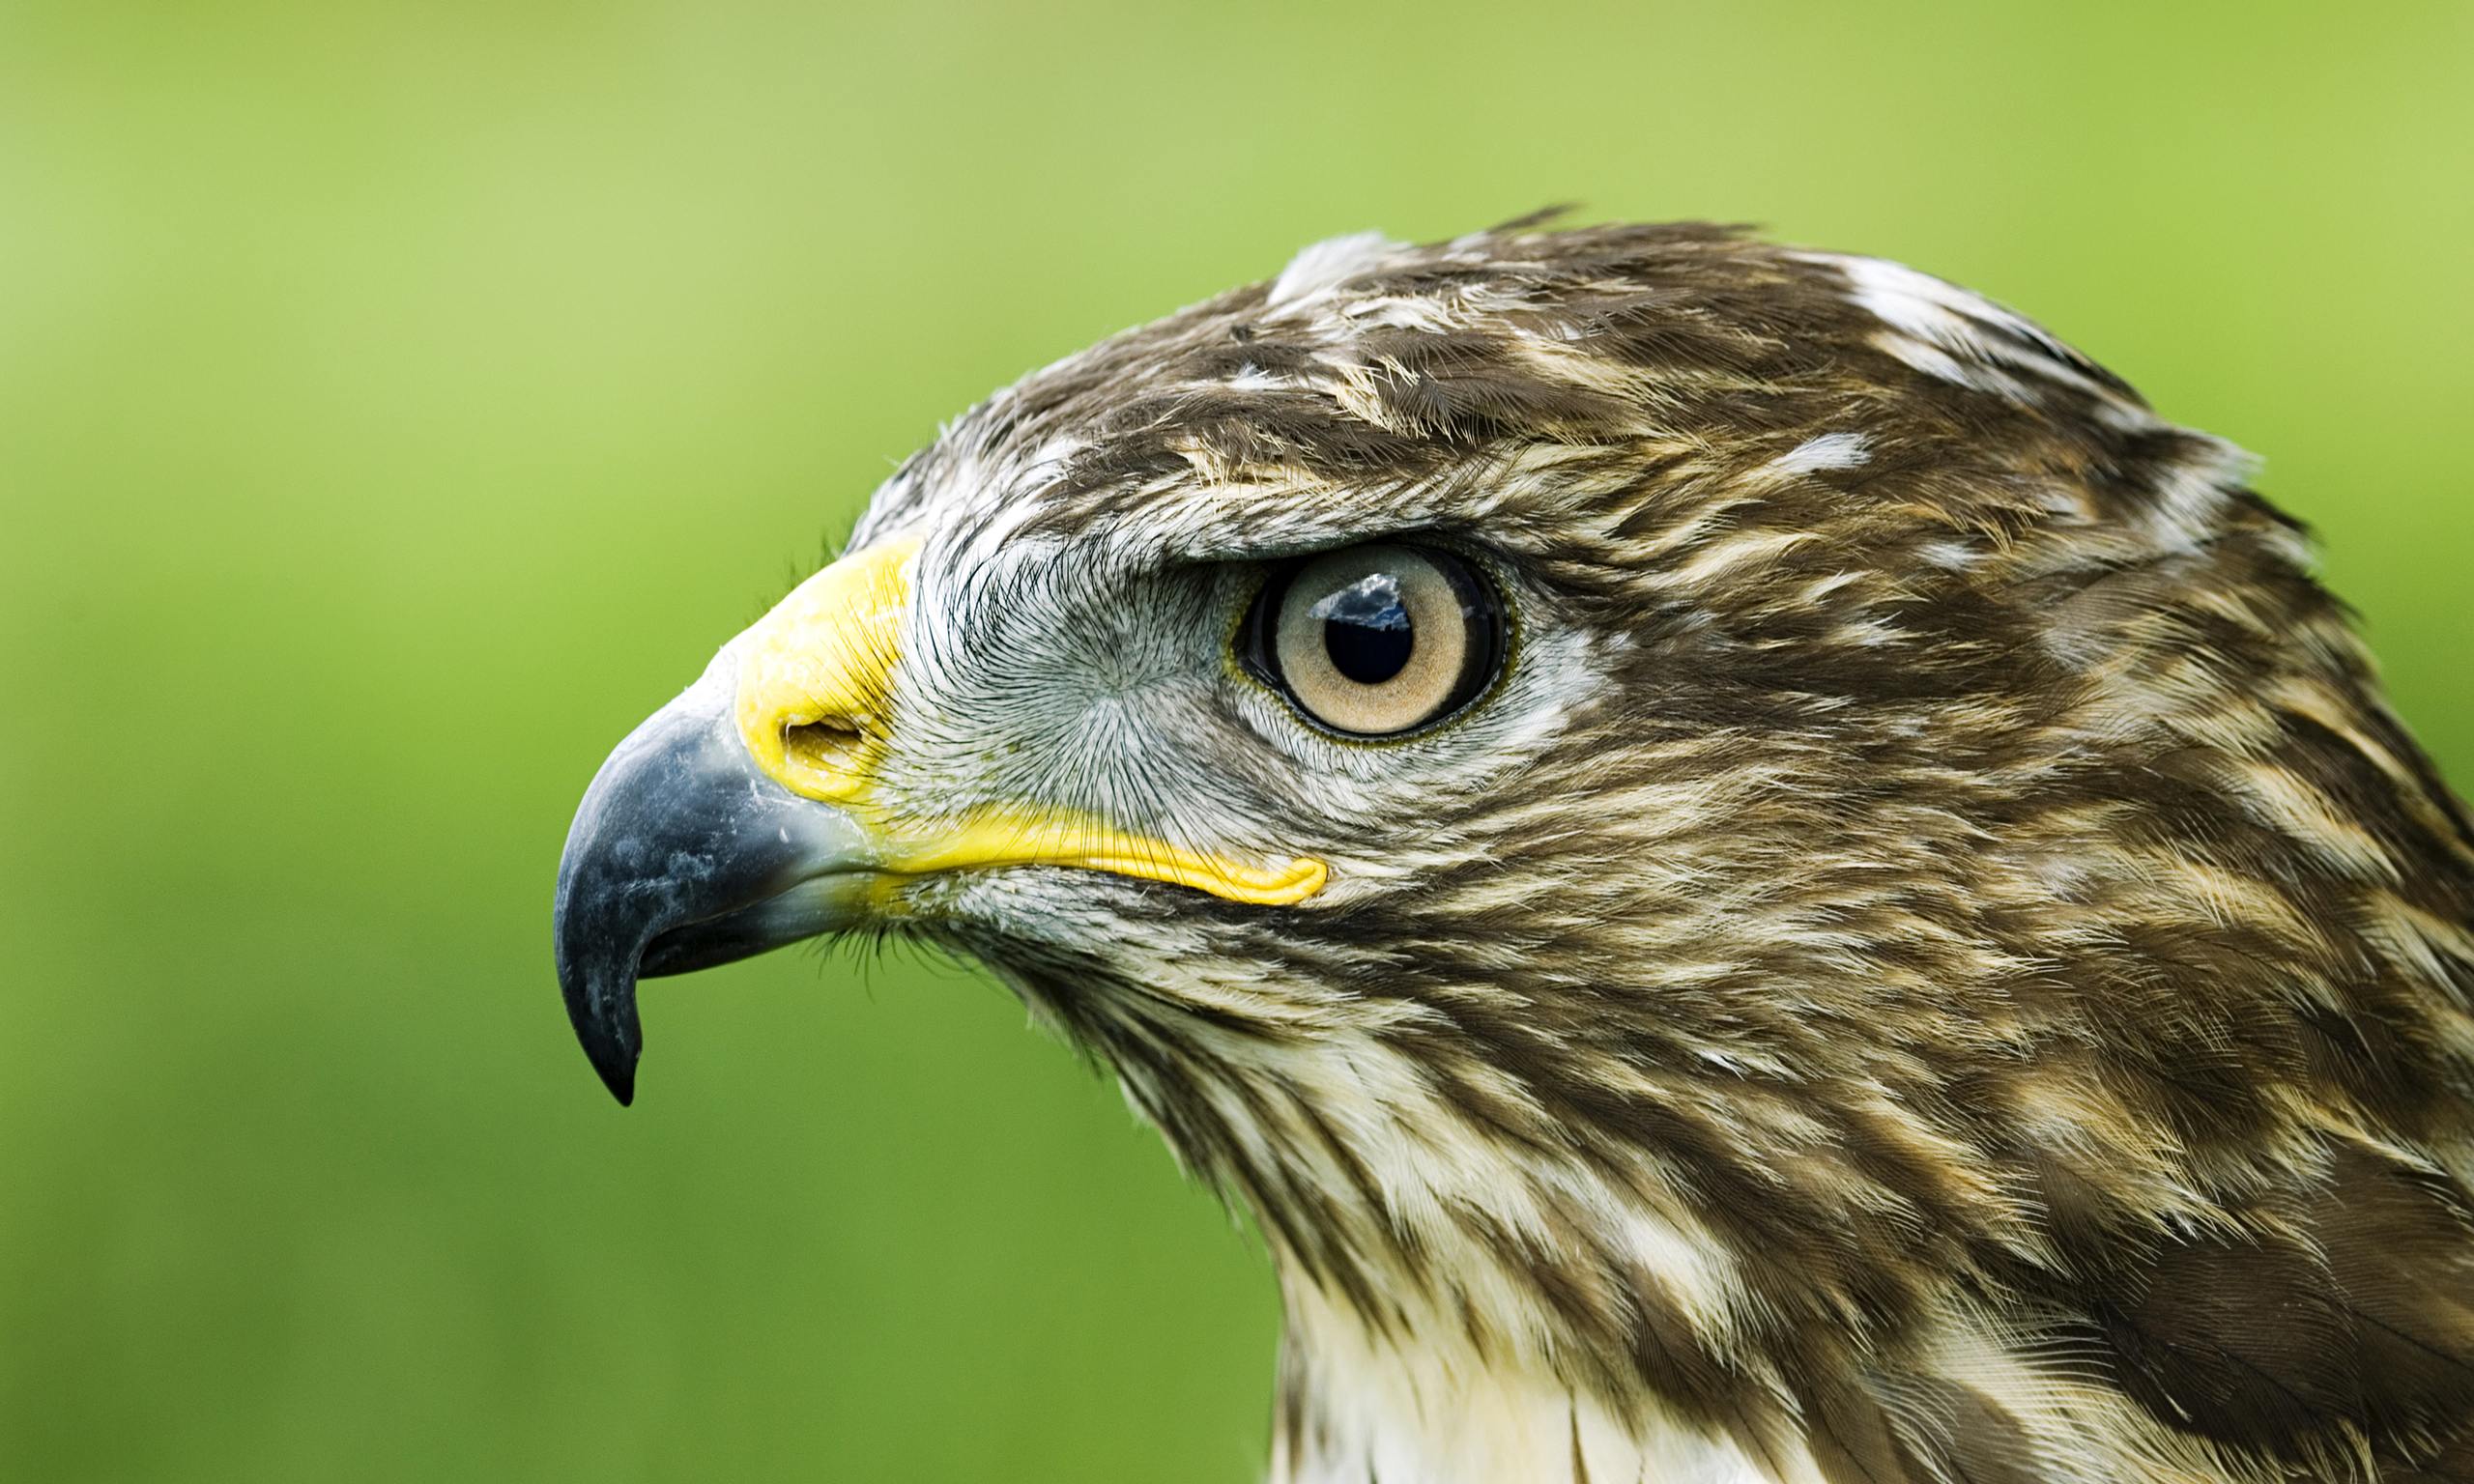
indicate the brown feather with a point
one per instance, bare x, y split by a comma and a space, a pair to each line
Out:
1939, 873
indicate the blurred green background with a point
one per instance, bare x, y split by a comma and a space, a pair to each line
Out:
398, 401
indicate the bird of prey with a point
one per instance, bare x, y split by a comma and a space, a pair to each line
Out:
1753, 871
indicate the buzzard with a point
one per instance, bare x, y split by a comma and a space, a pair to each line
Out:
1753, 870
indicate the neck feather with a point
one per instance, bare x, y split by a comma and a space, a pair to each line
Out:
1358, 1407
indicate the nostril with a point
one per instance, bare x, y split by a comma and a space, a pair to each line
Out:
830, 745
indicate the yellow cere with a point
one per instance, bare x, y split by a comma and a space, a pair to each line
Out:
814, 675
814, 711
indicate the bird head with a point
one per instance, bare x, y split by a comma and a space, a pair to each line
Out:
1674, 808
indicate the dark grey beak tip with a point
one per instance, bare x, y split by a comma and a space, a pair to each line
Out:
597, 962
617, 1063
611, 1037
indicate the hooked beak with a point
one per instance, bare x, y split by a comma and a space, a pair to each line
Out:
723, 826
685, 855
747, 814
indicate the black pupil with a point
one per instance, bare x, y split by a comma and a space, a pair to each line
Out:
1366, 629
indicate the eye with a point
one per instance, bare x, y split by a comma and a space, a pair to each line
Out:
1378, 640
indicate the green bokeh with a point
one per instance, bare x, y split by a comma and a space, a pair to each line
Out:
395, 404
